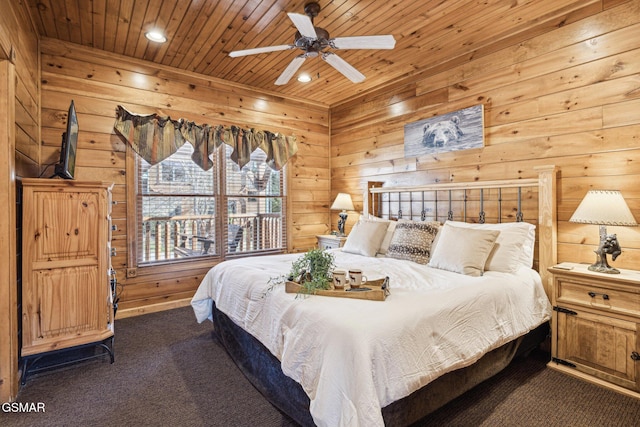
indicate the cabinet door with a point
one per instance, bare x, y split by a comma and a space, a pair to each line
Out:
600, 346
62, 307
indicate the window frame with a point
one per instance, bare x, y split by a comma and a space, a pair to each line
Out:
135, 269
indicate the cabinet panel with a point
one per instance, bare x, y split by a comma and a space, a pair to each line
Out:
66, 225
68, 298
599, 346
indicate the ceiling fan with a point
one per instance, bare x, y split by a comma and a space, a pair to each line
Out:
314, 40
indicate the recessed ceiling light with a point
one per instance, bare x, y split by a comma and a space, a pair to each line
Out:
156, 36
304, 78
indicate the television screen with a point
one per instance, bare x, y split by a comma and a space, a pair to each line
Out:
67, 166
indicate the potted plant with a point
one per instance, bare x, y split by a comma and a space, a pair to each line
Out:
313, 270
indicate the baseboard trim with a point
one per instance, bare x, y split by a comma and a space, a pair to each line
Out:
152, 308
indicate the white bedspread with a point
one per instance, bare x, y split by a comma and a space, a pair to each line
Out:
354, 357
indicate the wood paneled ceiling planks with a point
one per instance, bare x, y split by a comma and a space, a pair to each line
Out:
431, 35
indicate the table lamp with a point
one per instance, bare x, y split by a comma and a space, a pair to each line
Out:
344, 203
604, 207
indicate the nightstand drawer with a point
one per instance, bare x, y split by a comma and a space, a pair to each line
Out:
602, 298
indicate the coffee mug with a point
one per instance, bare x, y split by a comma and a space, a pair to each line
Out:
356, 278
339, 279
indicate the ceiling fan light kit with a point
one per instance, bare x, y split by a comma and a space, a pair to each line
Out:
314, 40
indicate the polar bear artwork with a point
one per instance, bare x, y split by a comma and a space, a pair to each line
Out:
457, 130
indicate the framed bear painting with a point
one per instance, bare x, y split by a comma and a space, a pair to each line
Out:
458, 130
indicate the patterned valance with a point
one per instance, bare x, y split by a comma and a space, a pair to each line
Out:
156, 137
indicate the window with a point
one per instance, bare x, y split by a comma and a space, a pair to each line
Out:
184, 213
254, 205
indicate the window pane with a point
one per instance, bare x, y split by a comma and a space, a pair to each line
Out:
178, 209
174, 227
177, 174
254, 205
258, 225
255, 178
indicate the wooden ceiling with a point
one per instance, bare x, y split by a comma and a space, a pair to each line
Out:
431, 35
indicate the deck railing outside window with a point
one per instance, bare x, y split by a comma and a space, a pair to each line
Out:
165, 238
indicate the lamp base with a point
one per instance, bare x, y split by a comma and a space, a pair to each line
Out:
600, 268
341, 222
608, 245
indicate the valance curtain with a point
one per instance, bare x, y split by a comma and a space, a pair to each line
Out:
155, 138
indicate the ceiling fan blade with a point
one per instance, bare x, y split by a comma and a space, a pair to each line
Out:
290, 70
256, 50
363, 42
344, 67
304, 25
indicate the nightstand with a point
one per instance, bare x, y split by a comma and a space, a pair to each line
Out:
596, 326
330, 241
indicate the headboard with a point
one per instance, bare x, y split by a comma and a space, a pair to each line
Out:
489, 201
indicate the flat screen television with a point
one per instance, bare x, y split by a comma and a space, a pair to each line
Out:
66, 168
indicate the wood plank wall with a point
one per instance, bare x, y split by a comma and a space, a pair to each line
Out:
20, 114
98, 82
18, 35
569, 96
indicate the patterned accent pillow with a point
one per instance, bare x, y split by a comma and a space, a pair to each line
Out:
412, 240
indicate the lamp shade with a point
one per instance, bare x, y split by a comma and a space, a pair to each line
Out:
343, 202
603, 207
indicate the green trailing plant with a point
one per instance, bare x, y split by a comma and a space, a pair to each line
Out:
313, 270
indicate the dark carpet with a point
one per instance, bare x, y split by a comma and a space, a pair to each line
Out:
169, 370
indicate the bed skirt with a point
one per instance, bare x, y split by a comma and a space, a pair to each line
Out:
264, 372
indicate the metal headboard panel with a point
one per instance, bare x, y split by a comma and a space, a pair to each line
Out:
468, 202
532, 200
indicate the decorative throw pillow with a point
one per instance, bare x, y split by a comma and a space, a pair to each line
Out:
514, 246
463, 250
412, 240
384, 247
391, 226
365, 238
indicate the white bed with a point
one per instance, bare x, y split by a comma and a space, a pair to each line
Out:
354, 357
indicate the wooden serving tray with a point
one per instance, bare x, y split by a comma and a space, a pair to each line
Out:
377, 292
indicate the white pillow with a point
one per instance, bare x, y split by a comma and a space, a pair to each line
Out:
391, 226
463, 250
514, 246
384, 247
365, 238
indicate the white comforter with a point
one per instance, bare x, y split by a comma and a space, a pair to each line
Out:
354, 357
